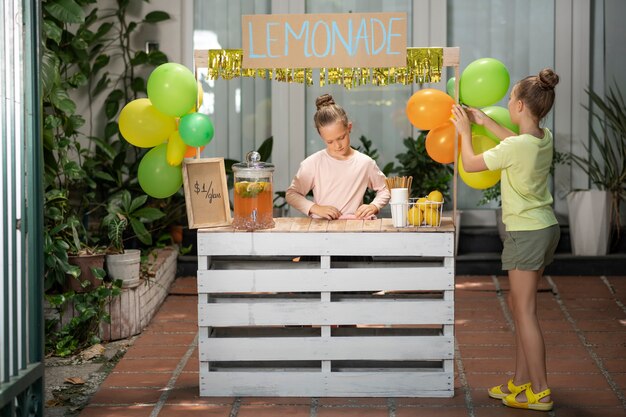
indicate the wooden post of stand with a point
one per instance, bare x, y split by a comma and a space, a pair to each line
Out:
452, 58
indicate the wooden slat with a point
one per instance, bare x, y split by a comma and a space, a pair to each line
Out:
451, 56
354, 226
125, 307
116, 311
317, 313
318, 225
387, 226
282, 224
317, 384
333, 226
311, 280
300, 224
201, 59
335, 244
372, 225
336, 226
407, 348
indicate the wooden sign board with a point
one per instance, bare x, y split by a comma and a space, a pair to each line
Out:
206, 193
331, 40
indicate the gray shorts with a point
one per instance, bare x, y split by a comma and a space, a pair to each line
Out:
530, 250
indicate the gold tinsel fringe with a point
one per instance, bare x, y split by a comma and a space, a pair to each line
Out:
423, 65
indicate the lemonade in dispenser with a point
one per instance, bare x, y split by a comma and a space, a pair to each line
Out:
253, 193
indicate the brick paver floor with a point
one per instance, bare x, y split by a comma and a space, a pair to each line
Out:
584, 320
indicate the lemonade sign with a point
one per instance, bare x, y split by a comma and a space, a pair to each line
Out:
338, 40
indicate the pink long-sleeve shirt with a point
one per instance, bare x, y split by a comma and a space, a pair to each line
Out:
338, 183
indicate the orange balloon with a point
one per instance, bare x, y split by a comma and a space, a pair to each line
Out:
429, 108
191, 151
440, 143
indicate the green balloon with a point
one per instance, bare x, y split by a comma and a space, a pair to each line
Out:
172, 89
156, 177
484, 82
450, 87
196, 129
500, 115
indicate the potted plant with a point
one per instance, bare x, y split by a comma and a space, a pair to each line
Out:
123, 210
592, 212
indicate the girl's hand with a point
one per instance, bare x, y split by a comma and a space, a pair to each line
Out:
325, 212
476, 115
366, 210
461, 120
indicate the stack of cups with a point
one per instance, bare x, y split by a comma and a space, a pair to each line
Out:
399, 206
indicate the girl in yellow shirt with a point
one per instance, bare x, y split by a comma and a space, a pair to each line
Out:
532, 228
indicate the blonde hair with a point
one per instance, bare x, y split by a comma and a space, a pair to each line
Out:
537, 92
328, 112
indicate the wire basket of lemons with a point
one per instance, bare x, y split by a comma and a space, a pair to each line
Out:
426, 211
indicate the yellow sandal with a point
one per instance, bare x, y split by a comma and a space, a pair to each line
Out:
497, 393
532, 401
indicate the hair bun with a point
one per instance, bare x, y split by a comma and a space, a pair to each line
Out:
324, 100
548, 79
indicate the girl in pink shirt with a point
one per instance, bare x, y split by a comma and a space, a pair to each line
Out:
338, 175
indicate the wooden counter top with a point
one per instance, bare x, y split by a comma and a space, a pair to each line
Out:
308, 225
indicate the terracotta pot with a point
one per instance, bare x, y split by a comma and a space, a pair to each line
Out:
85, 263
176, 231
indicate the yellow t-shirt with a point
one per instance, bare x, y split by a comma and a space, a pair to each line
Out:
525, 163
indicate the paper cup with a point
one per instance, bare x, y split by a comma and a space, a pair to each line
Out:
399, 195
399, 216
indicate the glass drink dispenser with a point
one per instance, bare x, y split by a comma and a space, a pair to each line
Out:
253, 193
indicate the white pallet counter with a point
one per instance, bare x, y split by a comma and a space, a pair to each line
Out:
327, 308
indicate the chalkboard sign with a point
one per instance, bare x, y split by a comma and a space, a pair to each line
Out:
206, 193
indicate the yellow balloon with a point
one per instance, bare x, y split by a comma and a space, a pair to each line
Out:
199, 100
200, 95
482, 143
143, 125
483, 179
176, 149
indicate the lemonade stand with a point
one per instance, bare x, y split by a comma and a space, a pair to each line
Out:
310, 307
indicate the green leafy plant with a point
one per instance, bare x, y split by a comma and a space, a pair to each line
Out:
123, 210
606, 162
279, 200
79, 42
368, 149
82, 167
427, 174
82, 329
115, 161
116, 228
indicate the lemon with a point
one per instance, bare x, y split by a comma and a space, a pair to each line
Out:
435, 196
249, 189
241, 187
422, 203
431, 216
415, 216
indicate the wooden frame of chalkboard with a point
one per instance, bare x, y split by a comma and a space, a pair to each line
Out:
206, 193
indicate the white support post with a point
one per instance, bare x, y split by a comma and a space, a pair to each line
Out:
325, 298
